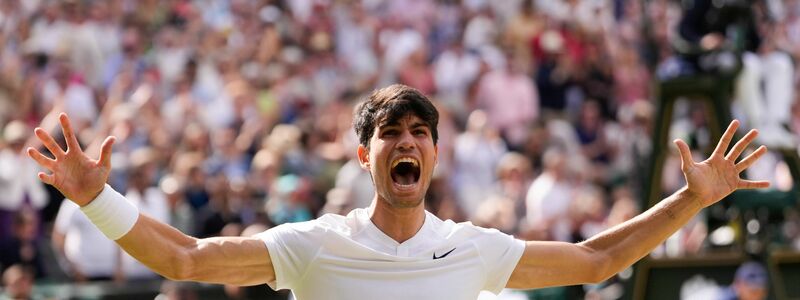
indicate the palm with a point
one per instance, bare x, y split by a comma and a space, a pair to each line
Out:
718, 176
714, 179
76, 173
79, 177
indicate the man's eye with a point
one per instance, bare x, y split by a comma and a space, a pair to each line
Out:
390, 133
420, 132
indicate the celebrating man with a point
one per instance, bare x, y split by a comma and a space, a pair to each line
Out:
392, 249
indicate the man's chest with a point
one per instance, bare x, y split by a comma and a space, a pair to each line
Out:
453, 273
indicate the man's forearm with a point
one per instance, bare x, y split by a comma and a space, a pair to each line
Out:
628, 242
160, 247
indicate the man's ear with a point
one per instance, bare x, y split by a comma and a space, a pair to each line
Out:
363, 157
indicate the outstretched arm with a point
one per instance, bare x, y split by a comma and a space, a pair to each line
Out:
554, 263
225, 260
164, 249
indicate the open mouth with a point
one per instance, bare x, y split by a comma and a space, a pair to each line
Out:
405, 171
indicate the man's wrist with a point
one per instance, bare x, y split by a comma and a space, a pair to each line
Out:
111, 213
93, 196
693, 199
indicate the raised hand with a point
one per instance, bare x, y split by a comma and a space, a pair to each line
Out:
718, 176
79, 177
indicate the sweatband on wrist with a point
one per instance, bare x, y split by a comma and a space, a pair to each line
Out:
111, 213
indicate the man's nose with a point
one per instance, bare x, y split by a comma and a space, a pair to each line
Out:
406, 141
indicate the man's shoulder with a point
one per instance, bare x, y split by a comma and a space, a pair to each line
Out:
323, 224
449, 228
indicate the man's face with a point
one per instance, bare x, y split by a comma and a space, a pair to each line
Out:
400, 160
750, 291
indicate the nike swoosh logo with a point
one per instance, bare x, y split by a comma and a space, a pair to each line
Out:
443, 255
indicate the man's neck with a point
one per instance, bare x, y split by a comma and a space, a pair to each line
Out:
400, 224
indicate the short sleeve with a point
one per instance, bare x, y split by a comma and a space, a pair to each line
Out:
292, 249
64, 215
500, 254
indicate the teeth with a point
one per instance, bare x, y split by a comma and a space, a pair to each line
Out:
405, 159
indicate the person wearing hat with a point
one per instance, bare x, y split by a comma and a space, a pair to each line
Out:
750, 283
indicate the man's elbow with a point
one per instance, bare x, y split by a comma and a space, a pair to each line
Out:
181, 267
601, 269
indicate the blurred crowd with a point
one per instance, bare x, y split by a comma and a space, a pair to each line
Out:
235, 116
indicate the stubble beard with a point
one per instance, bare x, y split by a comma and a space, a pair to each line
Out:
405, 203
386, 197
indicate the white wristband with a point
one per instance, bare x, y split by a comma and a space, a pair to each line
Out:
111, 213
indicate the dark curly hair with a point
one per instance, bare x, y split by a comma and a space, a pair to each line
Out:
388, 105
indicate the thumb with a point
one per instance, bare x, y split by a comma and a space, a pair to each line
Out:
686, 154
105, 152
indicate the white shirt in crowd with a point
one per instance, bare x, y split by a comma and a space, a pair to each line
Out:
84, 245
548, 201
17, 179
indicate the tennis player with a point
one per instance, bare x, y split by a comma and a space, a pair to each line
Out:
393, 249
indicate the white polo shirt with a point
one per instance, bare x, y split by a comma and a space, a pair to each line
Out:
338, 257
85, 246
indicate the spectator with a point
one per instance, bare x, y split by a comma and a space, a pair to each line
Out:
496, 212
129, 61
351, 175
18, 283
510, 100
631, 78
23, 246
595, 79
83, 251
477, 152
587, 212
548, 199
455, 70
397, 41
632, 141
522, 28
290, 200
356, 43
19, 188
750, 283
220, 211
416, 73
554, 70
180, 212
47, 33
514, 176
592, 134
191, 173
